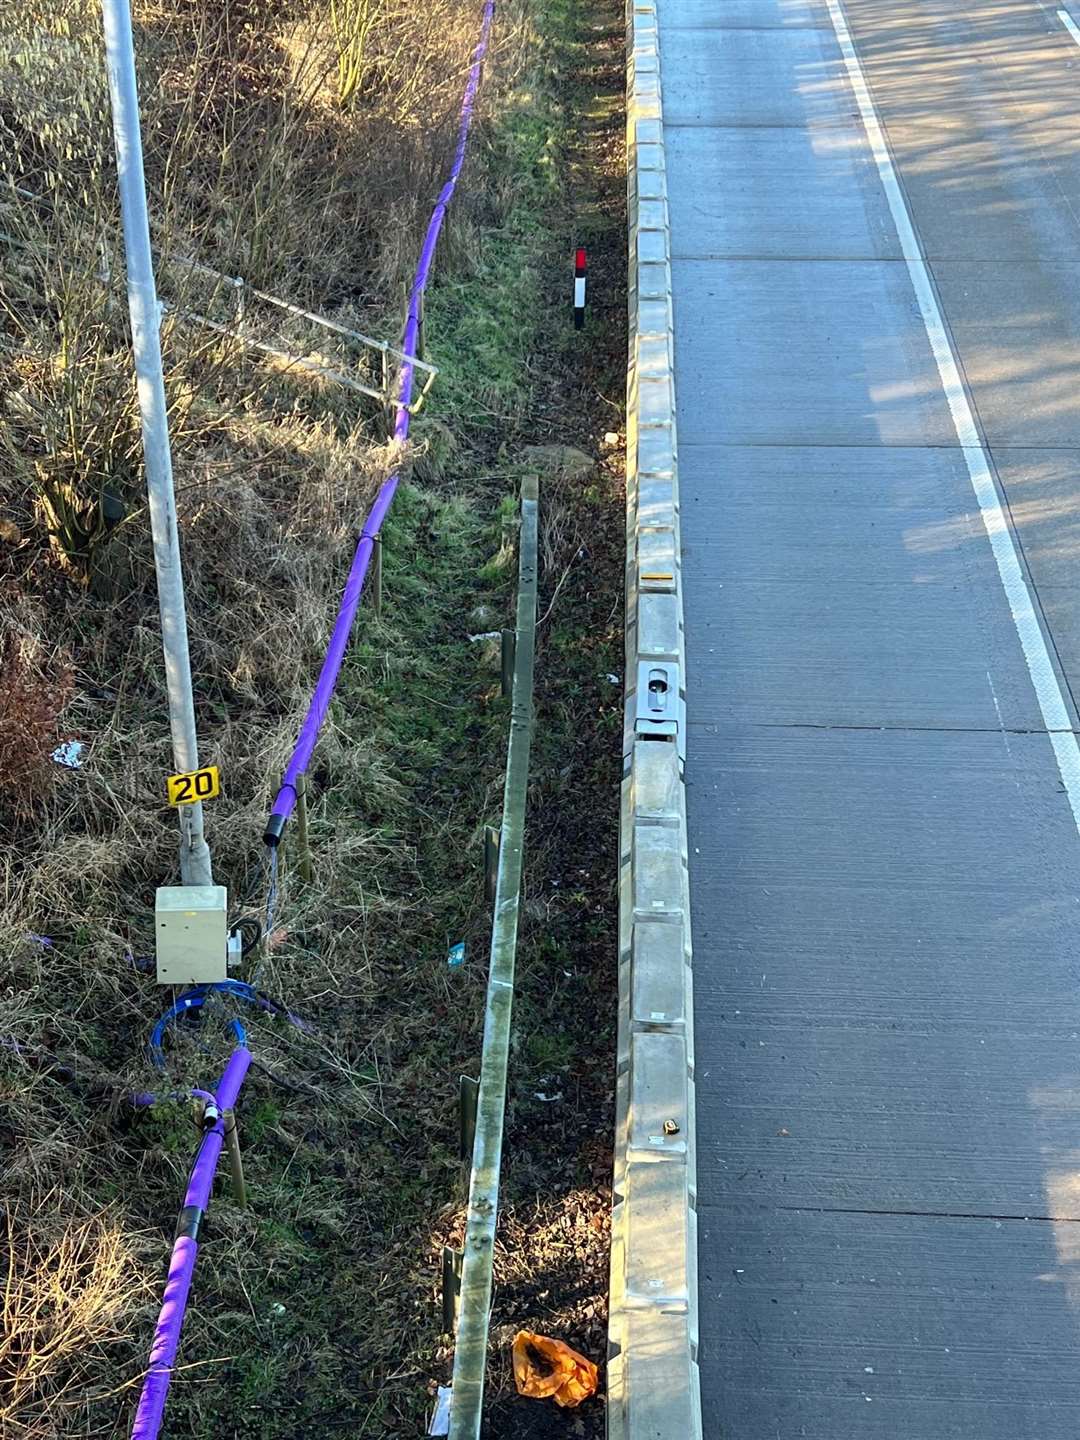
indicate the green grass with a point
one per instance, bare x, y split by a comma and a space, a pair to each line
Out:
550, 1051
264, 1115
484, 329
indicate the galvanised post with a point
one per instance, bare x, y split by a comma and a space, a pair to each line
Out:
145, 314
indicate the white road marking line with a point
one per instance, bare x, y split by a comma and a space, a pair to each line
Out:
1044, 679
1070, 25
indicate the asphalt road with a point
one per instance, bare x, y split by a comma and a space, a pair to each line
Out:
875, 219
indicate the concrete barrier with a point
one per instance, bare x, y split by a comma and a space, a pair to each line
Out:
653, 1389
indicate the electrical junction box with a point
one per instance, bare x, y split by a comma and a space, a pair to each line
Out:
192, 934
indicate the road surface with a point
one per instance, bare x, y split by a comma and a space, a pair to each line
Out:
875, 214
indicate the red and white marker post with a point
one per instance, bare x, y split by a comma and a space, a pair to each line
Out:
579, 288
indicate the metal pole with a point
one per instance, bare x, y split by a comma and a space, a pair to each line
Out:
303, 840
376, 577
146, 343
451, 1287
492, 840
468, 1090
509, 644
236, 1165
474, 1291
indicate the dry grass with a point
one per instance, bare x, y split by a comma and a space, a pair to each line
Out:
255, 168
253, 161
71, 1289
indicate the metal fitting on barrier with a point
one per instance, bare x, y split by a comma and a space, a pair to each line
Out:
657, 713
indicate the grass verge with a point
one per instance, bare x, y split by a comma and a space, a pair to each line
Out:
316, 1306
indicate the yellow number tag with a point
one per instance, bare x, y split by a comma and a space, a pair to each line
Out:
196, 785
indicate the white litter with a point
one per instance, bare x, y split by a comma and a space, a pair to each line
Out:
68, 753
440, 1420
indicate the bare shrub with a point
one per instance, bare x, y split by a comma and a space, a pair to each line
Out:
31, 700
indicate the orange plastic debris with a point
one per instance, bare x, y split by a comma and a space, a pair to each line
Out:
544, 1367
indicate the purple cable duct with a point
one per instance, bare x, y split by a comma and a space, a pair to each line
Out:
285, 800
151, 1409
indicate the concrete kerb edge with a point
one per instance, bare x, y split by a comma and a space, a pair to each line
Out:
652, 1339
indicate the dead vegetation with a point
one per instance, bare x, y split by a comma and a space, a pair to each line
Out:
71, 1290
33, 697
